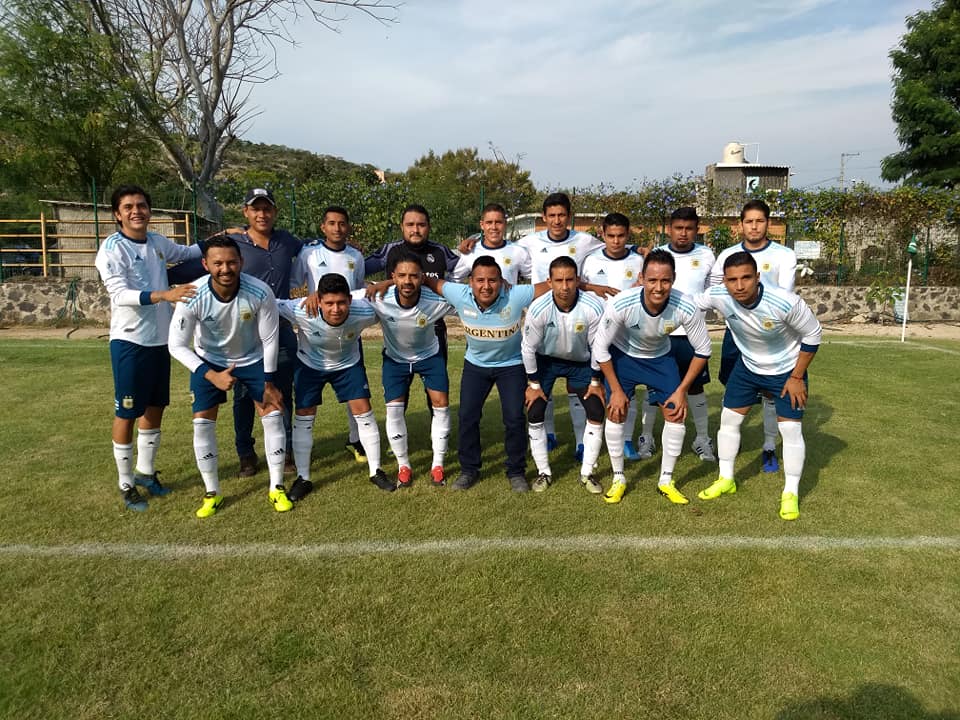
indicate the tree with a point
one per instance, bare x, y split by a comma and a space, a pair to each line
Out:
926, 99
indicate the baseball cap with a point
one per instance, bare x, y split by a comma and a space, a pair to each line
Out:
259, 194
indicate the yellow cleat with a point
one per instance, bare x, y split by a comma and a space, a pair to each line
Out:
279, 499
615, 493
789, 506
211, 503
720, 486
671, 493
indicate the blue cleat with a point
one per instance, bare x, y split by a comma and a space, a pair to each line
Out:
578, 454
629, 451
770, 463
552, 443
151, 483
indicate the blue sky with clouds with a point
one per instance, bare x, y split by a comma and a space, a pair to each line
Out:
590, 91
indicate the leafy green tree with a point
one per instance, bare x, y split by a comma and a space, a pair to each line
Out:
926, 99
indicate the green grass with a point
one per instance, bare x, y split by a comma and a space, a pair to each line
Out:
681, 632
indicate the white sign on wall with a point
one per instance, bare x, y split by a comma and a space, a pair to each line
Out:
807, 249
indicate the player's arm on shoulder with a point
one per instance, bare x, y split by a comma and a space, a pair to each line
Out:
181, 334
436, 285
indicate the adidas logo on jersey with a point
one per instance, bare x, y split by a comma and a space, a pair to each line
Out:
601, 272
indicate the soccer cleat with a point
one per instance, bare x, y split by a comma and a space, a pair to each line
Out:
578, 455
720, 486
789, 506
542, 482
646, 447
133, 499
615, 493
770, 463
464, 481
405, 477
552, 443
278, 497
380, 480
704, 449
671, 493
437, 476
249, 465
519, 484
359, 454
591, 485
300, 489
151, 483
211, 503
629, 451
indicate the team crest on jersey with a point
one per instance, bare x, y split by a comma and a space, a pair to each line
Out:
430, 257
695, 263
351, 264
572, 250
246, 315
160, 255
669, 326
580, 326
629, 274
128, 402
506, 261
768, 324
765, 267
421, 320
351, 335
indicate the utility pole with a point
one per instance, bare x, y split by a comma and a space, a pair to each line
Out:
843, 220
843, 166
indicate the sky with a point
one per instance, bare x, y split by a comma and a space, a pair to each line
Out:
584, 92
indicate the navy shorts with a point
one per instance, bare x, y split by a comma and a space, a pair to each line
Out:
348, 384
682, 352
743, 387
207, 395
141, 377
578, 374
658, 374
397, 376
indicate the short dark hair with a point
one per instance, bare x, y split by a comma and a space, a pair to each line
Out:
616, 219
335, 209
562, 261
493, 207
486, 261
742, 257
220, 240
405, 256
557, 198
756, 205
660, 257
414, 207
333, 284
123, 190
685, 213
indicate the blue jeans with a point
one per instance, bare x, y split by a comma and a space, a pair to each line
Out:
244, 412
475, 385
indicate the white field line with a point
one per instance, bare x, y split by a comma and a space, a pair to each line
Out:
908, 345
479, 546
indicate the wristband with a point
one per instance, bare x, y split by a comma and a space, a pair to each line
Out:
595, 383
534, 385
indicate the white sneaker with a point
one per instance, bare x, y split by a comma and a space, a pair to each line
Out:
591, 485
646, 447
704, 448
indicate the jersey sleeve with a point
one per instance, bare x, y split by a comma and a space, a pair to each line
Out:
287, 309
376, 261
451, 257
175, 253
787, 277
298, 270
461, 269
610, 324
532, 337
802, 320
697, 334
268, 324
526, 263
181, 334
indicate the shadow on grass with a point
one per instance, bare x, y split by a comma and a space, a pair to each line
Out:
868, 702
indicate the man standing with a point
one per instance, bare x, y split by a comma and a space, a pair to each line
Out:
557, 334
514, 260
777, 335
132, 263
778, 266
633, 348
233, 323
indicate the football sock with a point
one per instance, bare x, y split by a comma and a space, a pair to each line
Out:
439, 434
578, 416
613, 432
698, 410
274, 446
369, 434
303, 443
148, 442
630, 425
548, 418
794, 453
205, 450
728, 440
672, 440
769, 424
397, 432
592, 442
648, 417
352, 422
538, 447
123, 457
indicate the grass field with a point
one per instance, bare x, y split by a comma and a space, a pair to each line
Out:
428, 603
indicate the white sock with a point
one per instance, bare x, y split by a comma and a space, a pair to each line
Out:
769, 424
548, 418
274, 446
592, 442
369, 434
351, 421
728, 440
648, 418
578, 416
303, 443
439, 434
205, 450
148, 442
613, 432
397, 432
697, 405
794, 453
538, 447
672, 440
123, 457
630, 426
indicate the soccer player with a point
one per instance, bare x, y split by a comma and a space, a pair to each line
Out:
491, 318
694, 263
233, 323
408, 313
633, 348
557, 334
514, 260
777, 335
329, 352
778, 266
132, 263
333, 254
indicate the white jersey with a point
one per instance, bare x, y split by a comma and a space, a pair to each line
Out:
568, 335
777, 265
316, 260
131, 270
322, 346
693, 271
408, 333
543, 250
238, 332
628, 325
620, 273
513, 259
771, 333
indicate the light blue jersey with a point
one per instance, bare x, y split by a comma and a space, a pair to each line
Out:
327, 347
568, 335
409, 335
777, 265
493, 335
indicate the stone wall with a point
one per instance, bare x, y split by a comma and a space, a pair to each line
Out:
39, 302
